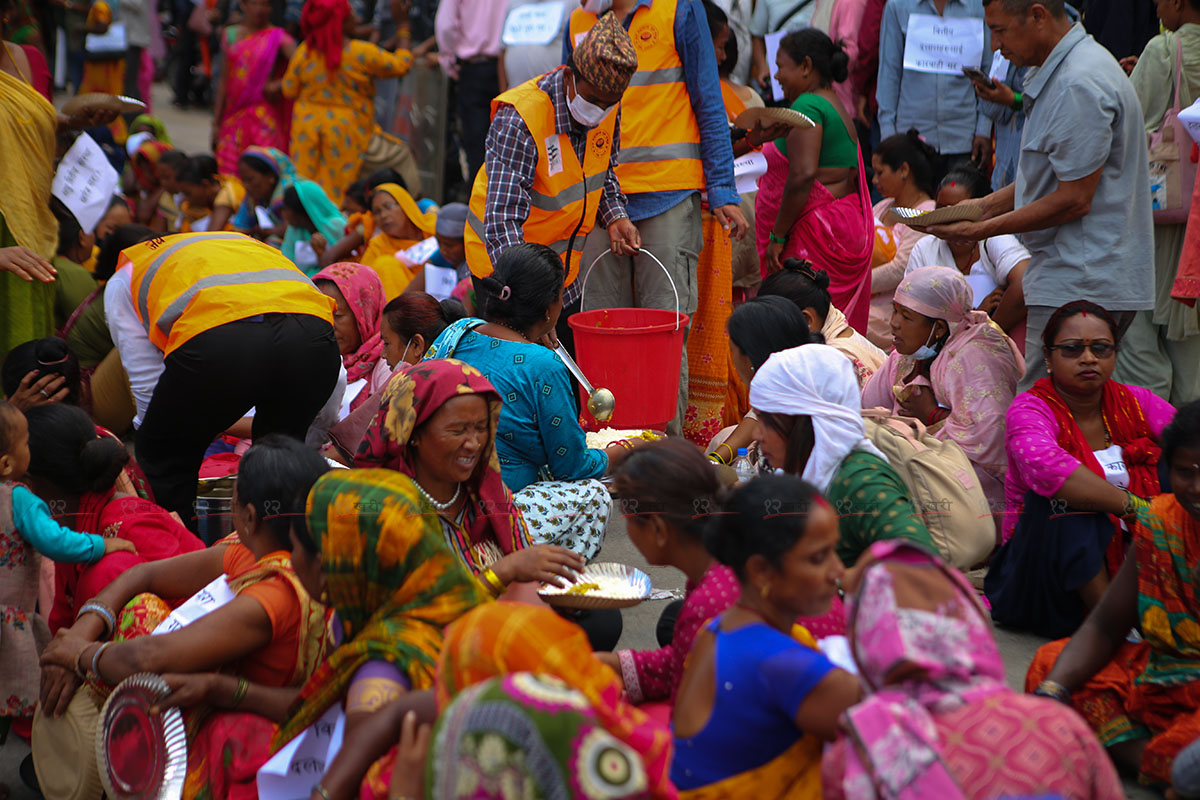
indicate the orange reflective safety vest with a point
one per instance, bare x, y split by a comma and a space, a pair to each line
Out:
188, 283
660, 137
565, 195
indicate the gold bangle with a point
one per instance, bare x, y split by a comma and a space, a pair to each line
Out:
321, 790
493, 581
239, 694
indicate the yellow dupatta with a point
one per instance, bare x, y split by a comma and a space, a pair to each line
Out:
28, 126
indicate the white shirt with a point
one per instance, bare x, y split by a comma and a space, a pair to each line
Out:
997, 257
141, 358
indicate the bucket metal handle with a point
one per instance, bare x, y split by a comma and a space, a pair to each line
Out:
586, 275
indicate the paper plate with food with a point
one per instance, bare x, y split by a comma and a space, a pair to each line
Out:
99, 101
598, 586
598, 440
963, 212
772, 116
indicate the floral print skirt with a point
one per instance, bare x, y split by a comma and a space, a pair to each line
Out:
570, 514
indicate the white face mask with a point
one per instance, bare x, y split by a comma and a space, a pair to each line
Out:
597, 7
589, 115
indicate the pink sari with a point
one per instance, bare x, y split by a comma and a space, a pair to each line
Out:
838, 236
248, 118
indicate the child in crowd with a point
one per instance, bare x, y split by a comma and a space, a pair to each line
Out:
354, 202
73, 284
28, 532
212, 198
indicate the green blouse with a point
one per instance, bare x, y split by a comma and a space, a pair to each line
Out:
838, 148
872, 504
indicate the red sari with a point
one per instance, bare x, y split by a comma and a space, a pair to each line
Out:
836, 235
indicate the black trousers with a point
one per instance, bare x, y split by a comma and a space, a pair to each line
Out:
284, 366
478, 83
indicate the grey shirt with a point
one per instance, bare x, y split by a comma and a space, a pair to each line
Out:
1081, 114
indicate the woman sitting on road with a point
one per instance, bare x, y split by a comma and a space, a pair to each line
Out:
543, 454
1083, 456
1142, 697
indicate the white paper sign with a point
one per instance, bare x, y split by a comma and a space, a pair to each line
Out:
300, 764
1190, 118
419, 253
200, 225
264, 217
304, 252
837, 650
747, 170
440, 281
943, 44
535, 24
772, 41
85, 182
208, 599
999, 67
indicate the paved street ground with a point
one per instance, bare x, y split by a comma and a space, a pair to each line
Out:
190, 132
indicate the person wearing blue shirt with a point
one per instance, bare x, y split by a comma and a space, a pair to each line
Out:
941, 106
675, 144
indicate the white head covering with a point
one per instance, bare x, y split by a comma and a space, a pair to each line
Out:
817, 381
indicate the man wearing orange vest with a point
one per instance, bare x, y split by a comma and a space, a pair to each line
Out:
236, 326
548, 175
674, 144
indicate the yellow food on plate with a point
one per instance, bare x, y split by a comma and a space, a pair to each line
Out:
583, 588
598, 440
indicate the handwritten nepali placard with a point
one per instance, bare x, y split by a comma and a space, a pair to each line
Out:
1190, 118
208, 599
85, 182
943, 44
300, 764
747, 170
535, 24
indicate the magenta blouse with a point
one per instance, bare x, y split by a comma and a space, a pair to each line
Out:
1035, 461
653, 675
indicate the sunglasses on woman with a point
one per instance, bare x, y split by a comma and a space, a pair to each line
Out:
1075, 349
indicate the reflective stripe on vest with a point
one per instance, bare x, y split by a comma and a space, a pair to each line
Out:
565, 195
660, 136
186, 284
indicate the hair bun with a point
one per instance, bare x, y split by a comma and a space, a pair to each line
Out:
839, 64
101, 462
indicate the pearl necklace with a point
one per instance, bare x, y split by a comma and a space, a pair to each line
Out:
435, 503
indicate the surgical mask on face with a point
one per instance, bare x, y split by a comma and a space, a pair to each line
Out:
925, 352
589, 115
597, 7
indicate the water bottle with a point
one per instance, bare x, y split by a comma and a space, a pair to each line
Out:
742, 466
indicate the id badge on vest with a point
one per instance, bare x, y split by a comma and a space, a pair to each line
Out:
554, 156
943, 45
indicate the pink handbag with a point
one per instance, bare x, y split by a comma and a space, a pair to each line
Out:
1173, 157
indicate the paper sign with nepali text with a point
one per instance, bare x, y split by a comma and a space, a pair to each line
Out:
300, 764
208, 599
85, 182
1190, 119
747, 170
943, 44
535, 24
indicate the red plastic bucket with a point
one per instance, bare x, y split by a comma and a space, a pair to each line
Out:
636, 353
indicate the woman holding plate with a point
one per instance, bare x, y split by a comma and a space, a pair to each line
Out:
813, 202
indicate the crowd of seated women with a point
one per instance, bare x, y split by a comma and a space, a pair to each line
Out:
402, 591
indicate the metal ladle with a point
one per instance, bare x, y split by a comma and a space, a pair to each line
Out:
601, 402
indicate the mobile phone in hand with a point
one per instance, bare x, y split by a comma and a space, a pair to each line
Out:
979, 76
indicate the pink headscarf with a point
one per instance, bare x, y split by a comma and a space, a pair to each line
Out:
975, 374
361, 287
916, 662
